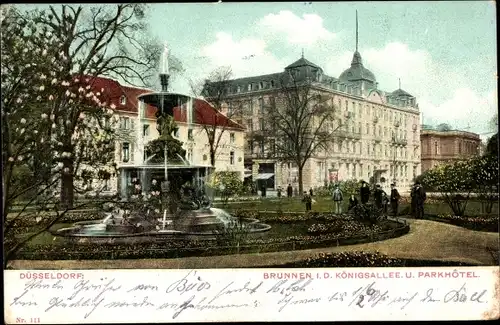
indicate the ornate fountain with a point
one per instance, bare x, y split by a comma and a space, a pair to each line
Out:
185, 206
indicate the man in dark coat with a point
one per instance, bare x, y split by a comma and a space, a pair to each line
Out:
412, 202
307, 199
364, 193
420, 198
289, 190
394, 200
378, 196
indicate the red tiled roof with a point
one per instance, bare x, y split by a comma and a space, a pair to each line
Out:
204, 113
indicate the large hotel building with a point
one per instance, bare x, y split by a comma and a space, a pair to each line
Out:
380, 141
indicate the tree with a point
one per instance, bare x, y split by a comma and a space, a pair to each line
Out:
38, 106
455, 181
492, 146
227, 184
215, 90
93, 41
303, 123
485, 177
57, 127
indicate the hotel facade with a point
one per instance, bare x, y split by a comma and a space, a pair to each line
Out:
379, 142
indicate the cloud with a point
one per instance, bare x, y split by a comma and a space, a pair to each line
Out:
246, 57
464, 110
443, 94
293, 29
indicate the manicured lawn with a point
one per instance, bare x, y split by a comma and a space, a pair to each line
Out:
46, 237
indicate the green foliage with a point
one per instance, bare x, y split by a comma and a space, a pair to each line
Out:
323, 191
492, 146
349, 187
485, 176
225, 184
455, 181
368, 213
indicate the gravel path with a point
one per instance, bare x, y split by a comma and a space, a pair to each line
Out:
427, 240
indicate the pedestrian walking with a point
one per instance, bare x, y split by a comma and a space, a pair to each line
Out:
311, 192
394, 200
337, 200
420, 197
364, 192
307, 199
289, 191
278, 191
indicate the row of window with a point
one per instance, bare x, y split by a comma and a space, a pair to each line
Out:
126, 149
356, 170
344, 147
385, 114
373, 149
256, 86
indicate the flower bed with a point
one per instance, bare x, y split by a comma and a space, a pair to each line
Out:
480, 223
351, 232
28, 221
363, 259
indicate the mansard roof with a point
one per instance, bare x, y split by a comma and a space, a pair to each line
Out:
302, 62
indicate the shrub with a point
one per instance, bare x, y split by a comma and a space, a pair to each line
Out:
368, 213
323, 192
226, 184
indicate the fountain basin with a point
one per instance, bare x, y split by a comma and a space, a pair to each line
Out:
196, 225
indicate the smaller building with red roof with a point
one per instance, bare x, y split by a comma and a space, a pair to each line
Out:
137, 126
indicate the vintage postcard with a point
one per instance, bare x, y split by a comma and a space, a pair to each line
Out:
212, 162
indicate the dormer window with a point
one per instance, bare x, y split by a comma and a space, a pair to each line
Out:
249, 87
123, 100
272, 83
261, 85
238, 89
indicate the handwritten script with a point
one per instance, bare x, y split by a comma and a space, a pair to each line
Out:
187, 295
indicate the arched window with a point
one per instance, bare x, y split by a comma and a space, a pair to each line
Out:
436, 148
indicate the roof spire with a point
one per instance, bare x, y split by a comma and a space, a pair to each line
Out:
399, 83
302, 52
356, 30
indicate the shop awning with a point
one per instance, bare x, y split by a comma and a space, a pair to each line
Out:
264, 176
